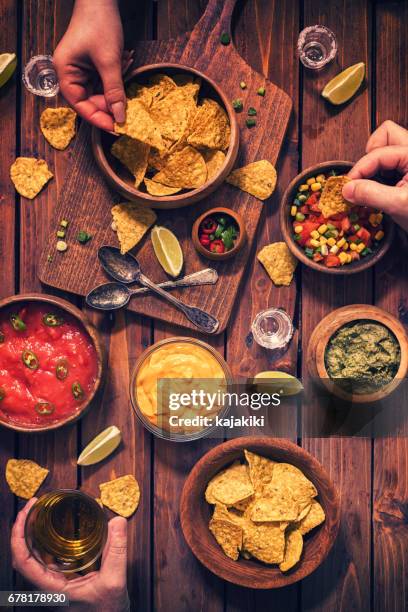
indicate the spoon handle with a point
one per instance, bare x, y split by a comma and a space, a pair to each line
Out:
209, 276
201, 319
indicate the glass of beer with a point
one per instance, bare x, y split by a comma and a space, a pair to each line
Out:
66, 531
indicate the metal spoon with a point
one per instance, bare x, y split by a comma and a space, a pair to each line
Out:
123, 268
112, 296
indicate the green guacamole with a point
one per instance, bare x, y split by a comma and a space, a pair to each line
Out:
364, 356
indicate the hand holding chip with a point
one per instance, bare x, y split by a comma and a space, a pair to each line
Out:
387, 150
105, 588
92, 47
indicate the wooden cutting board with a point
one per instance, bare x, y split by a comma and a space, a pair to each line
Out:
86, 198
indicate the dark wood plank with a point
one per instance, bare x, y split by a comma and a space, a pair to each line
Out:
264, 31
8, 12
343, 581
390, 477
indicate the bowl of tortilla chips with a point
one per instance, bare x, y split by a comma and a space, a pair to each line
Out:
179, 140
259, 512
323, 230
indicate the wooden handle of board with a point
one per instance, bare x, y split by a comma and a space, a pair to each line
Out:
216, 19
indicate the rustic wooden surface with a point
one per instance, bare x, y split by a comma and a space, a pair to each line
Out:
368, 567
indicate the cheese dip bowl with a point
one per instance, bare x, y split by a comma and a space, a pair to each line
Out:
165, 382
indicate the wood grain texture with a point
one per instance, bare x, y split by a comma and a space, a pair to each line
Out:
78, 270
390, 475
338, 133
8, 11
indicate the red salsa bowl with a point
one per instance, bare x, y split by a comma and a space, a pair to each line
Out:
51, 362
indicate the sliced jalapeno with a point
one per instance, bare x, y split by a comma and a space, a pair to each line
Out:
2, 337
17, 323
30, 360
44, 408
77, 390
52, 320
61, 369
2, 394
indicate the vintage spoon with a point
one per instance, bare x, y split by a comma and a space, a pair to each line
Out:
123, 268
112, 296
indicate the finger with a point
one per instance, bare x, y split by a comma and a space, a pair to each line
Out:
90, 108
111, 76
389, 133
393, 157
115, 557
369, 193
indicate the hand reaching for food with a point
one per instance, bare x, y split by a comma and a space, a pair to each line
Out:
387, 150
92, 50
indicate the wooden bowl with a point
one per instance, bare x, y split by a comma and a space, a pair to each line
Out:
341, 167
195, 514
122, 181
96, 341
329, 325
238, 244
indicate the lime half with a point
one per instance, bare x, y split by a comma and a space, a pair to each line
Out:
343, 87
277, 382
8, 63
100, 447
168, 250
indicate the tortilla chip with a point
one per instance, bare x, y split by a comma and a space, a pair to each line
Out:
313, 518
160, 85
304, 511
142, 93
171, 115
132, 221
156, 189
121, 495
260, 471
58, 126
279, 506
185, 169
210, 127
215, 161
265, 541
258, 179
29, 176
293, 550
331, 201
230, 486
244, 504
140, 125
290, 491
279, 262
133, 154
228, 536
24, 477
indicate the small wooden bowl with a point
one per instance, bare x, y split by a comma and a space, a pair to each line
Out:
329, 325
121, 180
238, 244
96, 341
341, 167
195, 514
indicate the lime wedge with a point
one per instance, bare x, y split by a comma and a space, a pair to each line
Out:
277, 382
343, 87
8, 63
168, 250
100, 447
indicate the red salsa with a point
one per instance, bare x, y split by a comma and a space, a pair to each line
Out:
48, 364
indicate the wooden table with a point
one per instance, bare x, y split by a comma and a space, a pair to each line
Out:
368, 567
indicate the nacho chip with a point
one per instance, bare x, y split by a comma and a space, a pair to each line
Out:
58, 126
215, 161
313, 518
160, 85
133, 154
331, 201
228, 536
121, 495
279, 262
258, 179
24, 477
185, 169
171, 115
156, 189
132, 221
230, 486
265, 541
244, 504
293, 550
140, 125
29, 176
210, 127
279, 506
304, 511
260, 471
291, 491
142, 93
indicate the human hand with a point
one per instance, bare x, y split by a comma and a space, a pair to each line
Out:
104, 589
92, 49
387, 150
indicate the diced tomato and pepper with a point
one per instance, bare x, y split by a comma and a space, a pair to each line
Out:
338, 240
218, 233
